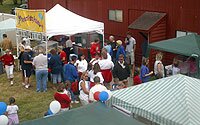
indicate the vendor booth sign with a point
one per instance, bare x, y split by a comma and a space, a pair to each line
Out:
32, 20
31, 35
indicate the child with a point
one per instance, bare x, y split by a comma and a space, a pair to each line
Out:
11, 111
175, 69
62, 97
67, 86
117, 84
136, 78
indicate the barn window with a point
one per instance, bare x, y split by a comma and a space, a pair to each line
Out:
116, 15
183, 33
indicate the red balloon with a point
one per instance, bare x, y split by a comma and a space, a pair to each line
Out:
96, 95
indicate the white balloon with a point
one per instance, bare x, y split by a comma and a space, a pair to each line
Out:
3, 120
55, 107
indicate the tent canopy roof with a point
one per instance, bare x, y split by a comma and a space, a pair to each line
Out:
169, 101
146, 21
60, 21
5, 16
8, 24
92, 114
185, 45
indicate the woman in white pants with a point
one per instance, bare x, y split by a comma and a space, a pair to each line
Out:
8, 61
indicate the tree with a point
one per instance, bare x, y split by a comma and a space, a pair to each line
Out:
15, 2
1, 2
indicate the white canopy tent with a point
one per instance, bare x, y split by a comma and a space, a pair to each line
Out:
8, 24
60, 21
5, 16
8, 27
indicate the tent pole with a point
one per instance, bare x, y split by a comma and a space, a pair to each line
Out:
103, 38
17, 42
198, 70
197, 64
46, 44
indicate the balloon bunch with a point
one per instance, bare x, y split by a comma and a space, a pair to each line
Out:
3, 118
102, 96
54, 108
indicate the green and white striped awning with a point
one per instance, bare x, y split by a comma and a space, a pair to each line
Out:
173, 100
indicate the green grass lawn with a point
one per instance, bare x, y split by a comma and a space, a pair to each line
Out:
31, 104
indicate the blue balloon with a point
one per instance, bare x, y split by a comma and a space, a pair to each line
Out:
3, 108
103, 96
49, 112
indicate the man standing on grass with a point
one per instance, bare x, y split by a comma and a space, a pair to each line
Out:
114, 48
27, 66
40, 64
6, 44
130, 51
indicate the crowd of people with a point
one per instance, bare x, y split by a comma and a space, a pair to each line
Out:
77, 78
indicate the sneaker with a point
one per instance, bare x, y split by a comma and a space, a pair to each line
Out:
29, 85
76, 102
72, 102
38, 91
26, 86
11, 83
23, 84
44, 90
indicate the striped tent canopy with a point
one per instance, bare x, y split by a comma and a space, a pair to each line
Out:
173, 100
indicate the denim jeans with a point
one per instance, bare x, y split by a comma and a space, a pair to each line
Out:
41, 79
73, 97
56, 78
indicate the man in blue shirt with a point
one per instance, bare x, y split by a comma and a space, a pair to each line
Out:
70, 71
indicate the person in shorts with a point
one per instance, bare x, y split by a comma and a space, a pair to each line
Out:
27, 66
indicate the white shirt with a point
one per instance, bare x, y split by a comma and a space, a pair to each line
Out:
40, 62
93, 61
12, 109
96, 88
109, 57
129, 47
82, 65
92, 75
106, 64
175, 70
69, 43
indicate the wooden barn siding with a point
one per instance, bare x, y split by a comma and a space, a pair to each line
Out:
181, 15
158, 33
45, 4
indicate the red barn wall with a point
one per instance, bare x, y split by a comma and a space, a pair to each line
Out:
182, 15
45, 4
